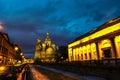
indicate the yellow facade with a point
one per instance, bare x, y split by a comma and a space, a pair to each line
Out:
99, 44
46, 51
117, 42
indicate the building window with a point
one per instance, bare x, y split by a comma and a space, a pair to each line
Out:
107, 53
81, 56
85, 56
90, 56
4, 51
0, 39
78, 57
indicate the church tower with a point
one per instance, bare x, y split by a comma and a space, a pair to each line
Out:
48, 40
38, 49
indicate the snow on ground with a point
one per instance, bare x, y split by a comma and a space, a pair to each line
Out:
36, 74
72, 74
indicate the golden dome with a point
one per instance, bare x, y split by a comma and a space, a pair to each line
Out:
50, 51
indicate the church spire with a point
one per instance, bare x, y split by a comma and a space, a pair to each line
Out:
47, 34
48, 40
39, 40
47, 37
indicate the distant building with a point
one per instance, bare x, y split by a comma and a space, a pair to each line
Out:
63, 53
46, 51
102, 43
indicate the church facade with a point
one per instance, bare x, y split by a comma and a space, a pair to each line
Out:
46, 51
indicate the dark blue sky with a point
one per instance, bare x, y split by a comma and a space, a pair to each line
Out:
26, 20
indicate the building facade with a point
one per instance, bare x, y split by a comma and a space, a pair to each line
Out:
6, 49
9, 53
102, 43
46, 51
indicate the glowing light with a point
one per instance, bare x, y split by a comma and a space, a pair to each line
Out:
2, 68
16, 48
21, 54
1, 27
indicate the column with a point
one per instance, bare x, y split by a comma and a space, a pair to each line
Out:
72, 58
97, 50
78, 57
114, 49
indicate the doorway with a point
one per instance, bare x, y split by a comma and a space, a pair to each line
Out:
107, 53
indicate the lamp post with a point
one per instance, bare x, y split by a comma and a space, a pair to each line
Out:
15, 55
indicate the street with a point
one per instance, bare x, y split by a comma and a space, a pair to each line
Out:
38, 72
34, 72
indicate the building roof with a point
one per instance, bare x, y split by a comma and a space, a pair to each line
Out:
5, 35
105, 25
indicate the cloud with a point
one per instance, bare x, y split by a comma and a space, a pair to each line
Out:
25, 20
103, 10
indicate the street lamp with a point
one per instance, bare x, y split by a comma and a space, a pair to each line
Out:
16, 48
21, 54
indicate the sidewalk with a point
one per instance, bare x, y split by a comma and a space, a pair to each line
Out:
71, 74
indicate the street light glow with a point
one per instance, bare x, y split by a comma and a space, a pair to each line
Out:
21, 54
1, 27
16, 48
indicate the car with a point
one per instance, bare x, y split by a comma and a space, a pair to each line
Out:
7, 72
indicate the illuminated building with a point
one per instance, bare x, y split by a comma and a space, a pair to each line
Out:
101, 44
6, 49
46, 51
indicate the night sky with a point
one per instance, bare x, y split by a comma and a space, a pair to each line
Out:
26, 20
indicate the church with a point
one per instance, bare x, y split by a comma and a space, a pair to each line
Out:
45, 51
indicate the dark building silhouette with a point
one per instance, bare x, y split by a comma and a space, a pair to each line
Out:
63, 52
